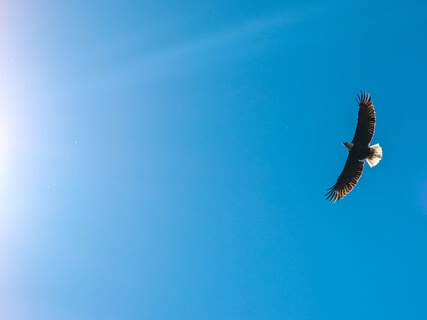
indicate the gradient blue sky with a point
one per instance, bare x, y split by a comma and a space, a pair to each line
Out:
169, 160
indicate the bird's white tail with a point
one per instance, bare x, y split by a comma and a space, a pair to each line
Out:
375, 156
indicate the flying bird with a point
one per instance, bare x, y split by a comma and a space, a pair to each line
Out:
358, 150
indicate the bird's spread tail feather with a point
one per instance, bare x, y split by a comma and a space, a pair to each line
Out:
375, 156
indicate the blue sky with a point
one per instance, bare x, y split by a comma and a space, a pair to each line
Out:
169, 160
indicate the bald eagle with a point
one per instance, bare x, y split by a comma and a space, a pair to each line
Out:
358, 150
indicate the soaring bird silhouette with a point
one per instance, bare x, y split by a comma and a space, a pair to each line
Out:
358, 150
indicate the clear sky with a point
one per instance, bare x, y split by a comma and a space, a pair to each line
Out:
169, 160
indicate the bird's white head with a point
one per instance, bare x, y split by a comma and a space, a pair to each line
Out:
348, 145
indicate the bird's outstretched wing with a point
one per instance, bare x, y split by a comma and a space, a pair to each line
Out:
347, 179
366, 120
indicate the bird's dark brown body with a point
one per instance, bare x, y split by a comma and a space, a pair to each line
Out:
359, 152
